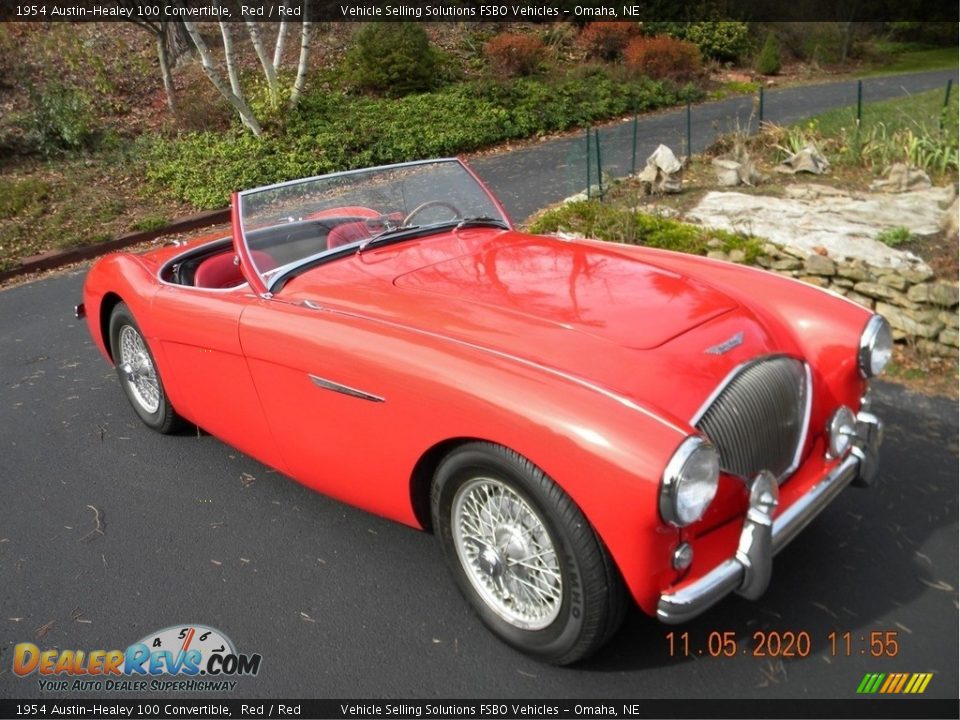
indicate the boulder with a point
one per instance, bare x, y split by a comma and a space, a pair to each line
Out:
937, 293
901, 177
663, 172
809, 159
948, 223
820, 265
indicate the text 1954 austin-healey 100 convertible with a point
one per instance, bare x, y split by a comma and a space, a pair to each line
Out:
580, 423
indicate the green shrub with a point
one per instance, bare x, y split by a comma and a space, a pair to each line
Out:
331, 131
513, 54
603, 221
393, 58
663, 57
724, 41
769, 61
61, 119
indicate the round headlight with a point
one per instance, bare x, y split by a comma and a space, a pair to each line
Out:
876, 346
841, 430
689, 481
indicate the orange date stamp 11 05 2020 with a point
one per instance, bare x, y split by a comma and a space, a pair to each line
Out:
783, 644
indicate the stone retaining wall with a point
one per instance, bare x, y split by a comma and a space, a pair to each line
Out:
921, 310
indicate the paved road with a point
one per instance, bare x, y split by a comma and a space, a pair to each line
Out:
530, 178
341, 603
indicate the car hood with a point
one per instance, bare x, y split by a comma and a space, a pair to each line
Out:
612, 297
597, 311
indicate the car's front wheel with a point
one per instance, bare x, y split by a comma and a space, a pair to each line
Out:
138, 373
524, 555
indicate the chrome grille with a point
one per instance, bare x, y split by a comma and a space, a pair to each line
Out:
757, 419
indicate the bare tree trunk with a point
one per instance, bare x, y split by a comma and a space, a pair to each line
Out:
165, 73
281, 38
847, 33
228, 56
262, 54
177, 41
159, 30
237, 101
306, 33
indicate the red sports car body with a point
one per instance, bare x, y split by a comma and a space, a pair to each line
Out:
579, 422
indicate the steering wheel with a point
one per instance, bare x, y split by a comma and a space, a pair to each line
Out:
457, 214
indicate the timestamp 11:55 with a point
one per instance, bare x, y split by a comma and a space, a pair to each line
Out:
784, 643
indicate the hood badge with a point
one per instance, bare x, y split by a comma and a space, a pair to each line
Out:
726, 345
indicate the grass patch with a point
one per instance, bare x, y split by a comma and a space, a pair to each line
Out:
608, 221
911, 59
734, 87
72, 203
894, 236
919, 131
150, 222
16, 196
924, 109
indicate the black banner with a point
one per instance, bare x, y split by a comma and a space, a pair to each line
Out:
479, 709
581, 11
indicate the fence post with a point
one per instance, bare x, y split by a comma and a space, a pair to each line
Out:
760, 113
588, 163
859, 102
946, 103
596, 140
689, 146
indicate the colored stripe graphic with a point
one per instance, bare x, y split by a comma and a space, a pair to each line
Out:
894, 683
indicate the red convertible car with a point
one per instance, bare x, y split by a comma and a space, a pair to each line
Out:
580, 423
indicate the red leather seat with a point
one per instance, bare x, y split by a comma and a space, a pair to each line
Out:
347, 233
220, 271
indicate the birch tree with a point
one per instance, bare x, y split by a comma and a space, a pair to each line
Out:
306, 33
281, 38
268, 67
234, 93
210, 70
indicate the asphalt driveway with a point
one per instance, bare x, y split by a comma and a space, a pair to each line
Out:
109, 531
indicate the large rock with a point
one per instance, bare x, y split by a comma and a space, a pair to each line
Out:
901, 177
938, 293
663, 172
949, 336
809, 159
949, 319
845, 225
883, 292
897, 282
949, 221
900, 320
930, 347
820, 265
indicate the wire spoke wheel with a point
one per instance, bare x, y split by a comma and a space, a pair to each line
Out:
507, 554
137, 369
138, 372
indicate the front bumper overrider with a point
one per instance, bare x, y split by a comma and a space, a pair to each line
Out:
748, 571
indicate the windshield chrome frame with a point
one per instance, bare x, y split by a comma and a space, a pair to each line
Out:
266, 282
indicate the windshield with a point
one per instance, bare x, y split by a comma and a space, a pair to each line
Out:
293, 224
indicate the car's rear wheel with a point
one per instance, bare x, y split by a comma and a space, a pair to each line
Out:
524, 555
138, 373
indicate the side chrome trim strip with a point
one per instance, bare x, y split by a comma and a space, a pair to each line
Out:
344, 389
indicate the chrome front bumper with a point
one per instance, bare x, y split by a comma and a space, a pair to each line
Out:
762, 537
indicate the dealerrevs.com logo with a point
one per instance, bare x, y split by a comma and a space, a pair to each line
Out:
176, 659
